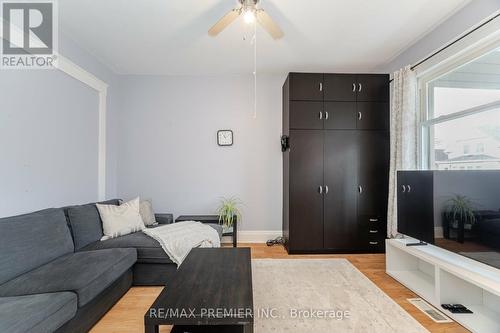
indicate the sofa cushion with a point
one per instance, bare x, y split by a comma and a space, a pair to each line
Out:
85, 225
36, 313
32, 240
164, 218
85, 273
85, 222
148, 249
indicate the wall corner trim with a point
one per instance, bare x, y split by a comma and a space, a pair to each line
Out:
70, 68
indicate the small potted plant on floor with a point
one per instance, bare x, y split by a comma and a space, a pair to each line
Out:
228, 212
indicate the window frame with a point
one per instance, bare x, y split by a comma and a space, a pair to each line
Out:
426, 98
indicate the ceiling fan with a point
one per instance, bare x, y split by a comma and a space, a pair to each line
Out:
251, 12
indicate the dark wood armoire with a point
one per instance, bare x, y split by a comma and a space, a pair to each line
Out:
336, 162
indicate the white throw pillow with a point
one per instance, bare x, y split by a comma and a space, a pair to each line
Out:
147, 213
120, 220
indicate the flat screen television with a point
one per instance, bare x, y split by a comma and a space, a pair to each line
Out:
456, 210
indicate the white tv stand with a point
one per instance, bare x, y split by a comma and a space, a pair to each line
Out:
440, 276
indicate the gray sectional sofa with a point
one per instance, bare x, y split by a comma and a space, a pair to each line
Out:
56, 274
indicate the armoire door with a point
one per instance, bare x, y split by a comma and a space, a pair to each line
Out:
306, 87
306, 115
373, 171
372, 87
306, 201
340, 87
340, 115
340, 173
372, 116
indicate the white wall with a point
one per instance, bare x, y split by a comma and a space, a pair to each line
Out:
89, 63
462, 21
168, 151
49, 136
47, 141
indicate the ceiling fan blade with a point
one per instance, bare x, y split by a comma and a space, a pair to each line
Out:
267, 23
224, 22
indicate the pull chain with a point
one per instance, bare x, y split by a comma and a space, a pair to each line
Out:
254, 42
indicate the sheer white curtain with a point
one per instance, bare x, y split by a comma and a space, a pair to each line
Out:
404, 136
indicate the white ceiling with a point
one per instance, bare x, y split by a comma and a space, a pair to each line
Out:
170, 36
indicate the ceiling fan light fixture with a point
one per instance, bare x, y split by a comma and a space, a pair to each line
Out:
249, 16
251, 13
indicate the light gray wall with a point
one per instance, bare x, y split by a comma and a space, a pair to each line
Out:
49, 136
87, 61
168, 149
48, 140
465, 19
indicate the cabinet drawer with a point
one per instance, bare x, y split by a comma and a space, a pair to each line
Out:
379, 236
374, 242
376, 246
375, 222
375, 233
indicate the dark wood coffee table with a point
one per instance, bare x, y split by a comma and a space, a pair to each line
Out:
211, 292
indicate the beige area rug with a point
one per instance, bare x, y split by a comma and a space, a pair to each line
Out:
322, 295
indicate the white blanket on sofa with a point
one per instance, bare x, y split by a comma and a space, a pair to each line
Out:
177, 239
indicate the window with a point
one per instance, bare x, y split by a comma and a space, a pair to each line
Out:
461, 126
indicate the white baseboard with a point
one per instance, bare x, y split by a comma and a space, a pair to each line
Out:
254, 236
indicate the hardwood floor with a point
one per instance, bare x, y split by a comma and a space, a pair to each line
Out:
127, 314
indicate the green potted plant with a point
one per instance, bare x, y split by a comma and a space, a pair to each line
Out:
228, 211
459, 213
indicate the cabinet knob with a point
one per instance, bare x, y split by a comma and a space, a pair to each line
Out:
326, 115
354, 87
373, 243
360, 189
320, 189
409, 188
320, 86
320, 115
360, 115
360, 87
373, 231
404, 188
373, 220
326, 189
